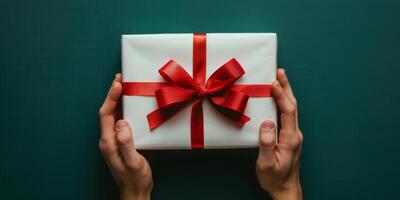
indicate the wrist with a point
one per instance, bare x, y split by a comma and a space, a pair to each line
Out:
293, 192
134, 195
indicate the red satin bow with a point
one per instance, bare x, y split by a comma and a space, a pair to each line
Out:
180, 89
183, 89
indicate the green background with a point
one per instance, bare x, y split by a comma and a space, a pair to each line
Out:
58, 57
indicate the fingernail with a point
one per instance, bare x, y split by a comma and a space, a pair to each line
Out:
276, 83
121, 125
268, 125
115, 83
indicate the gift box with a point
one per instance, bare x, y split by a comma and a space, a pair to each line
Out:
183, 91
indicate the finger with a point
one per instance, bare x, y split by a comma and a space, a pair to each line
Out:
284, 82
267, 143
111, 101
118, 113
108, 109
288, 110
110, 151
132, 158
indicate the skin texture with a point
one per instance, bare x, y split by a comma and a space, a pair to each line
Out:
277, 166
278, 162
130, 170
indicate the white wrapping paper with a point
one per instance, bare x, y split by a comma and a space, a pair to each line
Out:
143, 55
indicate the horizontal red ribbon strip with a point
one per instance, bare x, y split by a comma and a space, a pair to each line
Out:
150, 88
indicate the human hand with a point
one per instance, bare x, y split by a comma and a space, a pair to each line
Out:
130, 170
278, 162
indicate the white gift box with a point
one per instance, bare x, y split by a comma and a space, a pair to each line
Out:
144, 54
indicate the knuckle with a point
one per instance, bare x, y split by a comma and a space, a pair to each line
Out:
101, 111
295, 103
104, 146
301, 137
298, 140
296, 143
124, 140
135, 164
291, 109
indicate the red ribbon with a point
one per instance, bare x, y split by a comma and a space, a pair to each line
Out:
180, 89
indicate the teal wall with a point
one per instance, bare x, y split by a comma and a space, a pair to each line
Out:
57, 58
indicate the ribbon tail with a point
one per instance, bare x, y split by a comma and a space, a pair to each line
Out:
239, 119
253, 90
163, 114
232, 105
197, 125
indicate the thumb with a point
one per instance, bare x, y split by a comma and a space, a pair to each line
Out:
125, 144
267, 142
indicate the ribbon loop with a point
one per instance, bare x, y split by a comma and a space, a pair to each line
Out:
174, 73
165, 99
224, 76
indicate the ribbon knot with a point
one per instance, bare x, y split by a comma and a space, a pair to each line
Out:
201, 91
